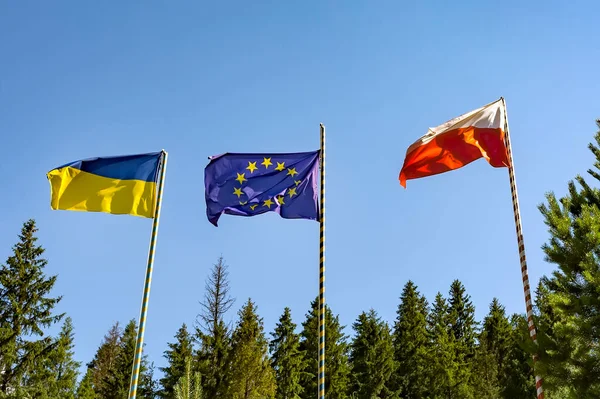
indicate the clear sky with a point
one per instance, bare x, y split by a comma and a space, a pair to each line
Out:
85, 79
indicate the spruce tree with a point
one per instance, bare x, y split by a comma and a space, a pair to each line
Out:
573, 359
371, 357
85, 390
251, 375
102, 367
411, 344
443, 363
519, 382
286, 357
495, 344
56, 375
337, 376
26, 309
463, 327
212, 332
178, 355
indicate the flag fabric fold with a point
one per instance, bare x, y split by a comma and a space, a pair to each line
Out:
120, 185
458, 142
253, 184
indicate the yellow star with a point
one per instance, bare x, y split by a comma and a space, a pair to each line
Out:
292, 172
280, 166
280, 199
253, 207
241, 177
297, 182
237, 191
251, 166
267, 162
292, 192
268, 203
243, 203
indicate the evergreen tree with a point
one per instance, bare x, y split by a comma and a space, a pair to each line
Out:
56, 375
26, 309
519, 382
188, 386
102, 367
287, 359
213, 333
486, 373
178, 355
411, 344
85, 390
463, 328
251, 375
572, 360
444, 365
371, 357
495, 342
337, 377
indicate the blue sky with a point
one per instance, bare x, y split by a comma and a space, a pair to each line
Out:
197, 79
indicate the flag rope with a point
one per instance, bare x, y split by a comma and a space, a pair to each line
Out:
321, 383
521, 244
135, 372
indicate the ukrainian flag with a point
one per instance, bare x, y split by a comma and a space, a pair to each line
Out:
122, 185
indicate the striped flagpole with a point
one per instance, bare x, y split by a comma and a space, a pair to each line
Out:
521, 244
321, 382
137, 360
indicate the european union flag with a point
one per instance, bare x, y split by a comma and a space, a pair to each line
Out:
251, 184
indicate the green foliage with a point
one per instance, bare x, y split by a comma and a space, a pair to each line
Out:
286, 358
85, 390
25, 311
55, 376
178, 356
442, 356
251, 375
371, 357
337, 376
569, 355
213, 334
188, 386
411, 344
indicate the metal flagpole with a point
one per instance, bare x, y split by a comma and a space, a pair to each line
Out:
521, 244
321, 383
135, 372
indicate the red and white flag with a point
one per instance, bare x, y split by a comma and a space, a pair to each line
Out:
458, 142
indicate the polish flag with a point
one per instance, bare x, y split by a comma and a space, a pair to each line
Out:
458, 142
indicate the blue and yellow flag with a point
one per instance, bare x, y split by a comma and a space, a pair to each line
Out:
122, 185
252, 184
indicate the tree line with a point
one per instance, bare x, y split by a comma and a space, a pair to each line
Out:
435, 350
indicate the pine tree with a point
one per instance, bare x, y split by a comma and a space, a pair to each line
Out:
444, 365
212, 332
26, 309
463, 327
573, 359
178, 355
102, 367
85, 390
251, 375
337, 376
371, 357
188, 386
56, 375
287, 359
411, 344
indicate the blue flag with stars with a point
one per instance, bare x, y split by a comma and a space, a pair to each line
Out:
252, 184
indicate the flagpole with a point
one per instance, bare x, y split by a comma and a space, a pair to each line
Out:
521, 244
135, 372
321, 381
